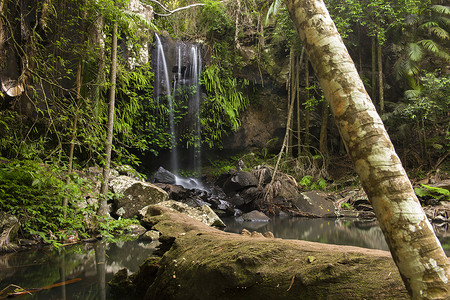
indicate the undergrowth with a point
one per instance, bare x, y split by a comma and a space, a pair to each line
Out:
35, 193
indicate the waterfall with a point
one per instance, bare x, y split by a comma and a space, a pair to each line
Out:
196, 60
177, 76
163, 80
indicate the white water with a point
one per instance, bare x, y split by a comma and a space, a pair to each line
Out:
184, 61
165, 82
196, 60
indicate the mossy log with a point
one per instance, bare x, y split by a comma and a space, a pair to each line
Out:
206, 263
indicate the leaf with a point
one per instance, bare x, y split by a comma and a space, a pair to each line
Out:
311, 259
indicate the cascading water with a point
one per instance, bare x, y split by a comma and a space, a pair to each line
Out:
182, 89
196, 60
162, 79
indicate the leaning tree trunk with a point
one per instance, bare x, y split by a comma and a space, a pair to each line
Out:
422, 263
103, 208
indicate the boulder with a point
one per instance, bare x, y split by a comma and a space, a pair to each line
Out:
202, 262
253, 216
251, 194
136, 195
315, 204
9, 225
151, 235
239, 181
129, 171
204, 214
176, 192
164, 176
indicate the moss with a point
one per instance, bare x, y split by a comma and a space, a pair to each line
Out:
204, 263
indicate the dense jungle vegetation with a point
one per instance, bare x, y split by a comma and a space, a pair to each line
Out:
59, 74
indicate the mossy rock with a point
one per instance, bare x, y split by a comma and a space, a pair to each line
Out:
206, 263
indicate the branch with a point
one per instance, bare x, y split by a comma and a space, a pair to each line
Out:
170, 12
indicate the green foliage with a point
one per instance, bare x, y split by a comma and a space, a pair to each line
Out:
111, 229
437, 193
217, 22
34, 193
221, 166
308, 183
220, 112
346, 205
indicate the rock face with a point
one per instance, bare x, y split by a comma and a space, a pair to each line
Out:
203, 214
136, 195
9, 225
316, 204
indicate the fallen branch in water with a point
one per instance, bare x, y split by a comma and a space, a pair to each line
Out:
4, 294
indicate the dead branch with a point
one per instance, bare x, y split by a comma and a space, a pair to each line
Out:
170, 12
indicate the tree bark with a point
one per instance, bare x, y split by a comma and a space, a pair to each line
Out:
323, 147
75, 117
422, 263
374, 69
103, 208
299, 125
380, 79
307, 112
291, 100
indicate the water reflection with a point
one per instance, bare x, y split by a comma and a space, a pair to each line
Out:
361, 233
95, 264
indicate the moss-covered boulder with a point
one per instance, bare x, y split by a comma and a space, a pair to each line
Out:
205, 263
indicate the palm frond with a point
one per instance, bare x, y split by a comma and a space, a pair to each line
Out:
440, 9
411, 20
429, 24
138, 19
440, 33
411, 94
273, 9
415, 52
432, 47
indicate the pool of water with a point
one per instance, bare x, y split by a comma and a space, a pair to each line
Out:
352, 232
91, 266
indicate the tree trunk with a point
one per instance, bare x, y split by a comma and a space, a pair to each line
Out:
3, 35
422, 263
380, 79
103, 208
299, 125
374, 69
323, 132
75, 118
307, 112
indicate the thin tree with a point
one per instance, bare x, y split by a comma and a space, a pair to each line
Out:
417, 252
103, 207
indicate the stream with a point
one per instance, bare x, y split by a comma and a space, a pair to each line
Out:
93, 265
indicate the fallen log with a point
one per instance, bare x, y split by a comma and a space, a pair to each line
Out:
201, 262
